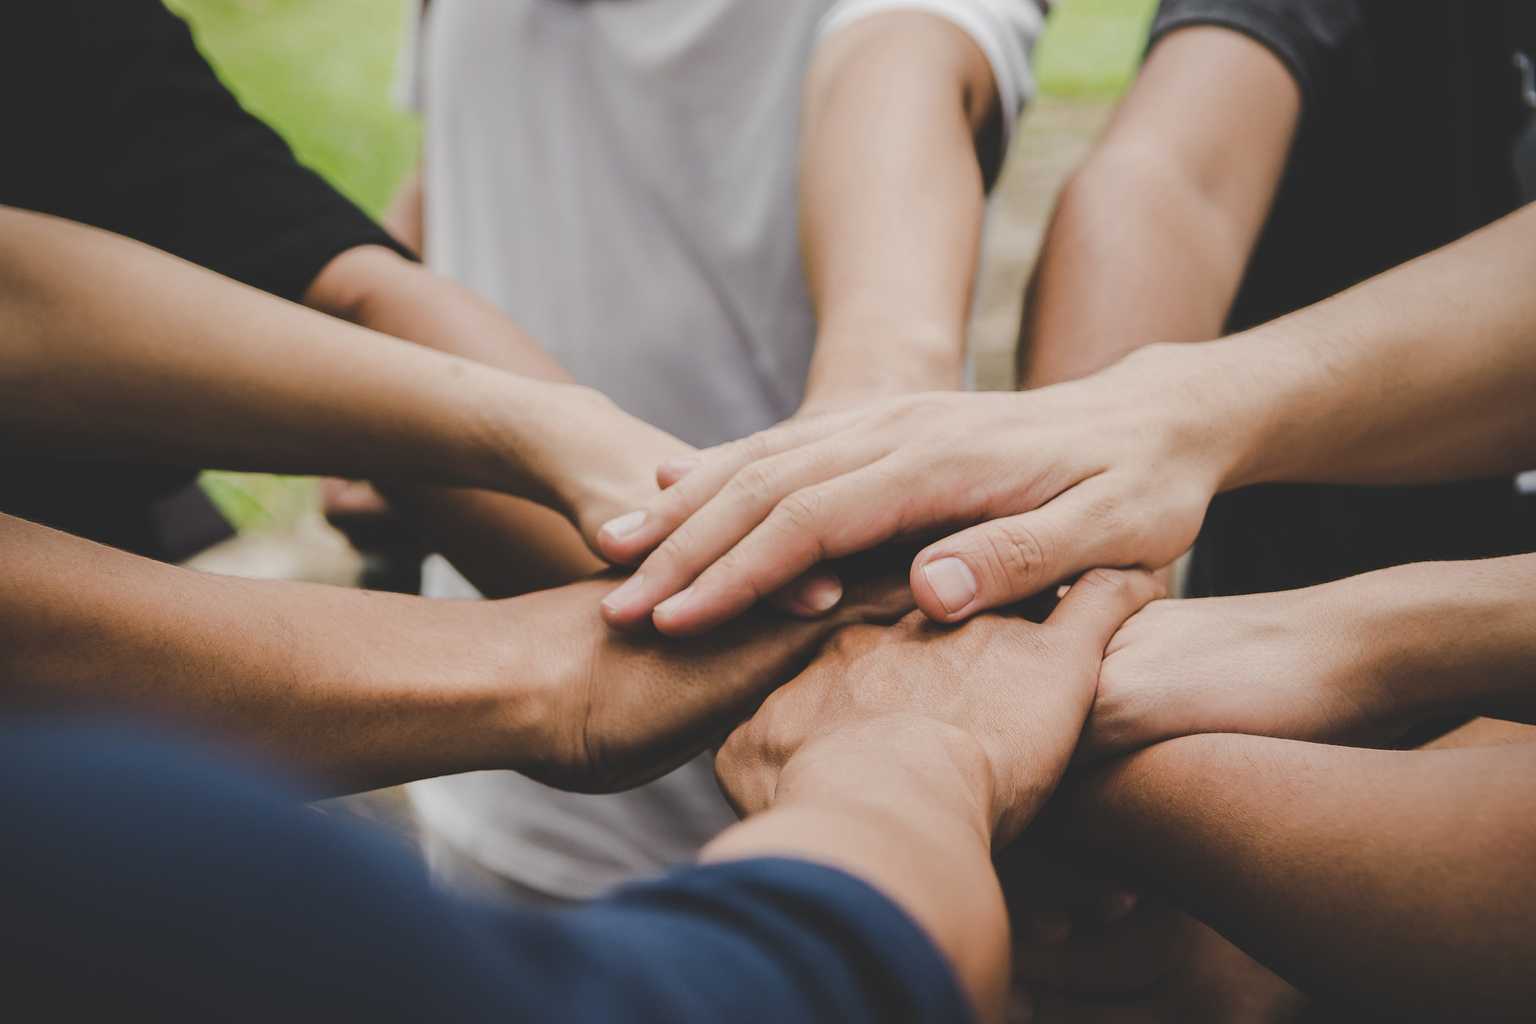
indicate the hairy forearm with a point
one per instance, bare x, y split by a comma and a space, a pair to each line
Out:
113, 349
1342, 391
907, 820
1396, 881
891, 202
357, 689
1151, 236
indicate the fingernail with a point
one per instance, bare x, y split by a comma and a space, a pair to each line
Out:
678, 467
820, 594
1049, 927
622, 598
952, 583
675, 604
624, 525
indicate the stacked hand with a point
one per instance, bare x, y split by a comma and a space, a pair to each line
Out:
597, 463
1342, 662
618, 709
1114, 470
1001, 693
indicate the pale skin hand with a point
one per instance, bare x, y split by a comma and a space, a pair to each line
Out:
1358, 660
364, 690
808, 491
928, 745
1190, 164
1117, 468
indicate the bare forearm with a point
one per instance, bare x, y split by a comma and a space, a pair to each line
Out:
357, 689
503, 545
891, 202
1105, 282
1450, 638
1398, 881
1422, 374
114, 349
1150, 238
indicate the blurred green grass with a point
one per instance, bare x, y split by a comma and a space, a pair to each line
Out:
1091, 47
323, 73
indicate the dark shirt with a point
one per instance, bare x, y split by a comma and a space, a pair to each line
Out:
114, 119
1410, 116
144, 879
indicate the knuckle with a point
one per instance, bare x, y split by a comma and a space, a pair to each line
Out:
756, 483
673, 555
732, 753
801, 512
1017, 554
754, 446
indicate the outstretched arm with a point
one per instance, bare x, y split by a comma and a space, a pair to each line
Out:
363, 689
502, 544
898, 106
904, 754
1365, 659
112, 348
1189, 165
1117, 468
1396, 881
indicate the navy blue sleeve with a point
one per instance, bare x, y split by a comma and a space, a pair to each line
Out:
145, 878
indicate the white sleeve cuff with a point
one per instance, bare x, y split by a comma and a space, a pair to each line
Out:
1004, 30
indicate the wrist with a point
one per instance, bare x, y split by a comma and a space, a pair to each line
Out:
476, 683
860, 360
898, 766
1184, 389
520, 424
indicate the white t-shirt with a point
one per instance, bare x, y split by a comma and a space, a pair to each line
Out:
619, 176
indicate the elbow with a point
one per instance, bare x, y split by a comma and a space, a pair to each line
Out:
353, 282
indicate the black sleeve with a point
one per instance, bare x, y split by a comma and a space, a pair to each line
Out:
138, 136
1309, 36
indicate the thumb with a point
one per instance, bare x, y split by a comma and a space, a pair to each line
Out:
1101, 601
1002, 561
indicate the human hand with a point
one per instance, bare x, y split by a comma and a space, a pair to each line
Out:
620, 709
596, 462
1301, 664
1011, 693
1116, 469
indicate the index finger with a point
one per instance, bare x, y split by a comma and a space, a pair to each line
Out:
625, 539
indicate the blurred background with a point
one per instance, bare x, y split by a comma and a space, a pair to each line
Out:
323, 72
